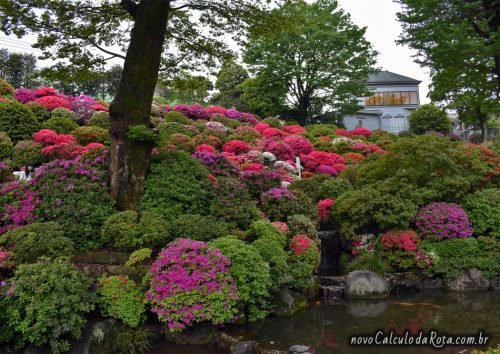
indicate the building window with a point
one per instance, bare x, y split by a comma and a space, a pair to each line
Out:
392, 98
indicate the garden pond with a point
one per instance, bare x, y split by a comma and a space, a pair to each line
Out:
328, 324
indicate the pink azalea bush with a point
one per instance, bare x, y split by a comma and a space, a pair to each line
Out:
190, 283
442, 221
53, 102
324, 208
18, 206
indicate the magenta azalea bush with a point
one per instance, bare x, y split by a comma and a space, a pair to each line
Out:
443, 220
190, 283
18, 206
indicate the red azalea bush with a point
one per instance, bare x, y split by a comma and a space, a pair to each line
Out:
302, 245
281, 150
299, 144
403, 249
260, 127
45, 91
281, 227
206, 148
255, 167
367, 149
53, 102
49, 137
324, 208
362, 132
353, 157
343, 132
236, 147
293, 129
190, 283
273, 132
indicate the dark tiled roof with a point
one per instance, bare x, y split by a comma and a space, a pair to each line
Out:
387, 77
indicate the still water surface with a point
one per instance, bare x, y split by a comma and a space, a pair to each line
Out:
327, 326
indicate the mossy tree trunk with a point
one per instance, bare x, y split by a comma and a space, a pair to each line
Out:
129, 160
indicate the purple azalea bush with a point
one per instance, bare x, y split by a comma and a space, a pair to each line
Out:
443, 220
190, 283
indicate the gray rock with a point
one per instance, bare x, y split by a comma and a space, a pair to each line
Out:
433, 283
289, 302
364, 284
97, 337
233, 345
298, 349
470, 280
405, 282
495, 283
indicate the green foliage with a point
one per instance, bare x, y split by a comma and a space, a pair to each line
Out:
280, 209
60, 124
429, 118
6, 146
5, 88
129, 230
233, 203
302, 224
272, 122
99, 119
186, 88
133, 340
251, 275
17, 120
176, 117
264, 230
62, 112
371, 262
119, 297
27, 153
177, 185
317, 130
49, 304
228, 83
33, 241
414, 172
142, 134
317, 39
451, 257
198, 227
91, 134
138, 257
41, 112
273, 253
262, 97
169, 128
483, 210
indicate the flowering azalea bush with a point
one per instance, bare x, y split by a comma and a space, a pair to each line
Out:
404, 249
18, 205
364, 244
443, 220
362, 132
53, 102
236, 147
24, 95
191, 282
324, 208
303, 259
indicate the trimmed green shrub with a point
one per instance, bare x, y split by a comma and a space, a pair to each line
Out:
169, 128
429, 118
89, 134
6, 89
41, 112
119, 297
279, 203
27, 153
99, 119
129, 230
177, 185
62, 125
33, 241
451, 257
317, 130
272, 122
176, 117
198, 227
62, 112
6, 146
250, 273
273, 253
138, 257
483, 209
302, 224
371, 262
49, 304
264, 230
17, 120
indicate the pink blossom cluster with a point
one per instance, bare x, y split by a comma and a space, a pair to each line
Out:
443, 220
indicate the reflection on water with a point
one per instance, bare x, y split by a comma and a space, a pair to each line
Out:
327, 327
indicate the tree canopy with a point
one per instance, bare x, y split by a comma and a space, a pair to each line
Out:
459, 42
318, 56
428, 118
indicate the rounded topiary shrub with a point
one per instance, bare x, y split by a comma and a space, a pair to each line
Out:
63, 112
190, 282
41, 112
302, 224
177, 185
264, 230
304, 257
6, 146
62, 125
483, 209
443, 220
17, 120
272, 253
53, 102
429, 118
169, 128
90, 134
99, 119
250, 273
27, 153
119, 297
198, 227
33, 241
49, 304
176, 117
129, 230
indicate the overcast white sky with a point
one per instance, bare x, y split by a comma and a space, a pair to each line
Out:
379, 16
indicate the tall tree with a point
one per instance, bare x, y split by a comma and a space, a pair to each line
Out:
188, 33
460, 43
229, 78
320, 56
186, 88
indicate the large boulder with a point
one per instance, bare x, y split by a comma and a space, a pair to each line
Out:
289, 302
469, 280
233, 345
364, 284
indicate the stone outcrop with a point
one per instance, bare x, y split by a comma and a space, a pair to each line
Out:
363, 284
469, 280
